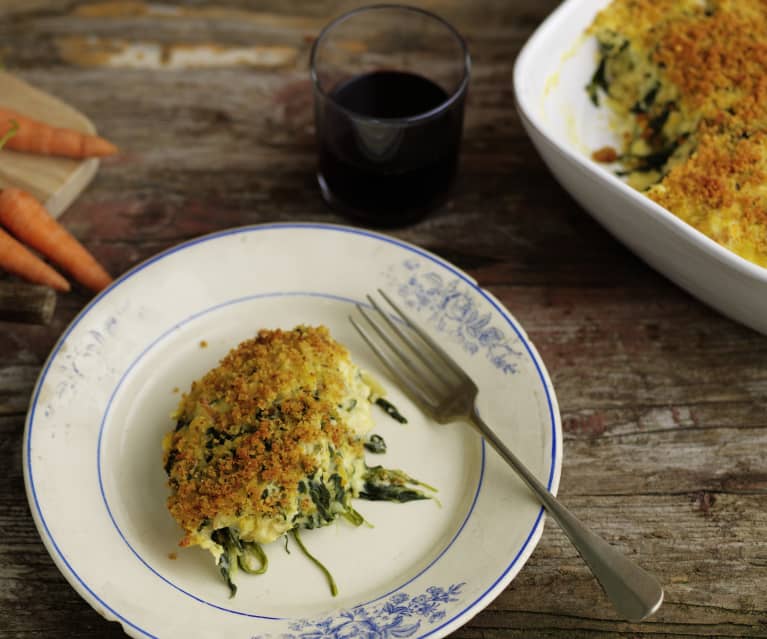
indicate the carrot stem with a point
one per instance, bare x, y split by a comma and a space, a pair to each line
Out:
34, 136
9, 133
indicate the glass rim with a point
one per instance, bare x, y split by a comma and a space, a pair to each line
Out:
426, 115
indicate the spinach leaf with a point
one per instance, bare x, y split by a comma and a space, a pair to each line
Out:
598, 81
170, 461
227, 562
253, 550
376, 444
646, 101
318, 563
384, 484
391, 410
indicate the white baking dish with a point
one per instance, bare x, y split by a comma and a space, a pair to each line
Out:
549, 79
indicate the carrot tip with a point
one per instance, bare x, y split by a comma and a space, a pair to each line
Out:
28, 220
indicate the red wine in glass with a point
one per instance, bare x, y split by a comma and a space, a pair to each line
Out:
388, 146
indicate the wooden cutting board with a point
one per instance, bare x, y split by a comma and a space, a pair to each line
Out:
54, 181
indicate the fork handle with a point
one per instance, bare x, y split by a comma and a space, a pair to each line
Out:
634, 592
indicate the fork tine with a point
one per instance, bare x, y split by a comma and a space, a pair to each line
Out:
447, 360
413, 371
404, 381
407, 339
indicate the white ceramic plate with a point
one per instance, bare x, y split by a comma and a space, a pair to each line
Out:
93, 464
550, 76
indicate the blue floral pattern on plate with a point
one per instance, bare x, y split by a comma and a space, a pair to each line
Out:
454, 311
397, 616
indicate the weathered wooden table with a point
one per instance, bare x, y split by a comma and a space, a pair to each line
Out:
663, 401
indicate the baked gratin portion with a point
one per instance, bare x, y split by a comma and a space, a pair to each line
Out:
686, 81
271, 441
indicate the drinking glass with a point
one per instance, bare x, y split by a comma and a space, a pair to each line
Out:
390, 82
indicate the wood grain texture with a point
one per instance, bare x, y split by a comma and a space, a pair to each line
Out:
55, 181
663, 401
26, 303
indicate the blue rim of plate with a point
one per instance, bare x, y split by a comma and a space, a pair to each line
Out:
72, 574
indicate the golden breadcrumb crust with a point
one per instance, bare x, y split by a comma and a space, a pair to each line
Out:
253, 427
714, 56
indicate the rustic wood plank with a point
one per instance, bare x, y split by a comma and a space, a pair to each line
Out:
663, 400
26, 303
16, 382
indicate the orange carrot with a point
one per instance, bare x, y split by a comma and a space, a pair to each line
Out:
34, 136
19, 260
28, 220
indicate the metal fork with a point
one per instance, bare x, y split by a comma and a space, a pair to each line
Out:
435, 382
